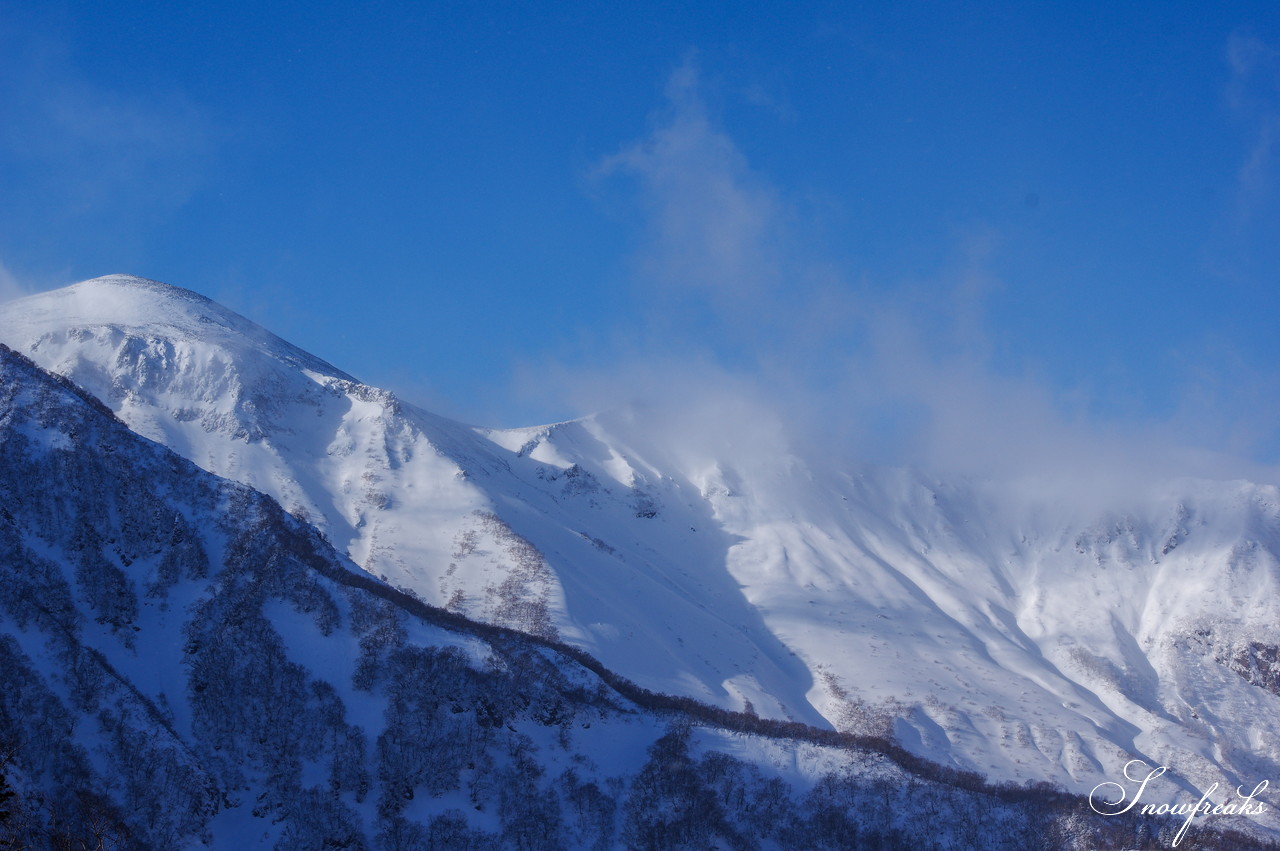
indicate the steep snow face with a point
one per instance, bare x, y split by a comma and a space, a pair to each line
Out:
244, 404
187, 666
429, 504
996, 632
1019, 642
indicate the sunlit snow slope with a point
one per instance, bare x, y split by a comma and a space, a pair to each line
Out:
1022, 643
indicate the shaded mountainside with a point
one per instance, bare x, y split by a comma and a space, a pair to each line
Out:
186, 664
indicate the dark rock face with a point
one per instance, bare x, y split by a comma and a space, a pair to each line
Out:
1258, 664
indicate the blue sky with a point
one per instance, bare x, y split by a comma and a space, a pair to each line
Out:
922, 217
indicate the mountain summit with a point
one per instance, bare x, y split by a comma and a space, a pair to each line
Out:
143, 306
1021, 645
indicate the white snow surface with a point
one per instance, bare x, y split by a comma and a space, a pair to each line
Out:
1010, 639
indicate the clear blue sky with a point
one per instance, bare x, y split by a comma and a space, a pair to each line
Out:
455, 199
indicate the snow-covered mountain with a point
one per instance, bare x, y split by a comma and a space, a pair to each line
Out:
984, 631
186, 665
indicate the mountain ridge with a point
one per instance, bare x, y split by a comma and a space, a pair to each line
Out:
133, 301
188, 666
868, 599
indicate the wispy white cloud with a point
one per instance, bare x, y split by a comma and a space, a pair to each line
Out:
900, 374
74, 146
10, 288
945, 408
1254, 94
713, 226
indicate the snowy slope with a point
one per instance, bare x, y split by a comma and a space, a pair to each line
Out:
997, 634
985, 633
426, 503
186, 666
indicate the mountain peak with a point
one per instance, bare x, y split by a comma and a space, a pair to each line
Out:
144, 307
127, 280
127, 301
142, 287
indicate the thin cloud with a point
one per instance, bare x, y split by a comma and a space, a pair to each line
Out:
837, 367
75, 147
1253, 92
712, 225
10, 288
